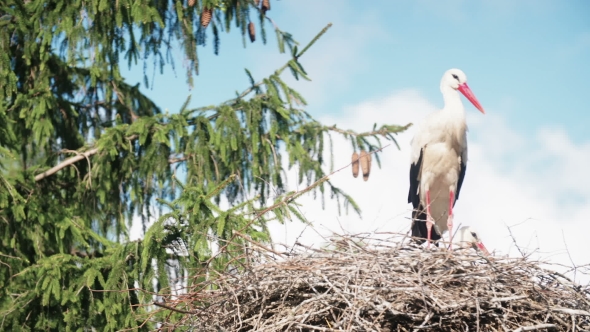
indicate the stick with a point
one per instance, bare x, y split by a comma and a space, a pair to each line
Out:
160, 304
534, 327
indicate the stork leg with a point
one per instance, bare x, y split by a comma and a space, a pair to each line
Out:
429, 220
450, 218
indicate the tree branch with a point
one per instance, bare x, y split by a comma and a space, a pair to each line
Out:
382, 131
93, 151
285, 66
87, 154
65, 163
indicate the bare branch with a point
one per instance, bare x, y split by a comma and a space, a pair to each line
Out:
162, 305
534, 327
65, 163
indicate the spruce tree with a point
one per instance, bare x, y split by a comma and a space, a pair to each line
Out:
82, 151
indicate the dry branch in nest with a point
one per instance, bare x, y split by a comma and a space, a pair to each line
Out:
362, 284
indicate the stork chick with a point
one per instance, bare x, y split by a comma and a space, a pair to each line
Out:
467, 237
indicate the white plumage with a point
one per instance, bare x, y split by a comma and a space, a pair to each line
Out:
439, 157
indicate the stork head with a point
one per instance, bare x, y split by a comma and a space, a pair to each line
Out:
457, 80
468, 237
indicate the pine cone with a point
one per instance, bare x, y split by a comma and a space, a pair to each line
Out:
206, 16
355, 164
191, 3
252, 31
265, 6
365, 161
370, 159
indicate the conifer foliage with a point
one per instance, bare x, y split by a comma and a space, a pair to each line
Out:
82, 151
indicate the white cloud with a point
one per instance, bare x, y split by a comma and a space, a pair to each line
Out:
512, 180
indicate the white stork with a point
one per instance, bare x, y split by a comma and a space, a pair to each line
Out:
467, 237
439, 160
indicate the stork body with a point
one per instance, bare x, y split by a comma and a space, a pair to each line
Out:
439, 160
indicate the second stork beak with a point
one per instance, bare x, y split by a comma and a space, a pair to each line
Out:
482, 248
466, 91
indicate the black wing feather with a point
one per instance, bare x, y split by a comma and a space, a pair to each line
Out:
415, 168
461, 177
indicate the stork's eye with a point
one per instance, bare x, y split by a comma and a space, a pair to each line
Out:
474, 234
456, 77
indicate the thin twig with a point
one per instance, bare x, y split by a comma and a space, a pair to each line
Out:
159, 304
534, 327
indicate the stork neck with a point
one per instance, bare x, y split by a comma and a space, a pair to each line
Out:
452, 100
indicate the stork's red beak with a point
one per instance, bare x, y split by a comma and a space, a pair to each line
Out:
466, 91
482, 248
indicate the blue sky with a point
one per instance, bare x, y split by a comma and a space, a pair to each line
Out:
527, 62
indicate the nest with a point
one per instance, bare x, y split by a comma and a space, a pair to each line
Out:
358, 284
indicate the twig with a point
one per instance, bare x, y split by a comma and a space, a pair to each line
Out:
572, 311
509, 298
382, 132
514, 241
257, 244
568, 254
534, 327
160, 304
